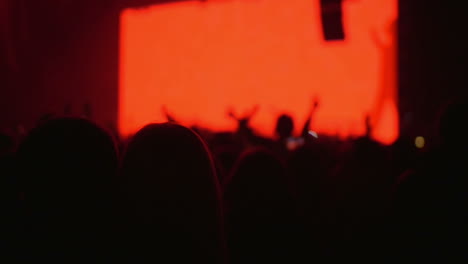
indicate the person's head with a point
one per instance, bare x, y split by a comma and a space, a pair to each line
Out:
67, 159
308, 166
258, 182
260, 211
172, 195
284, 126
66, 169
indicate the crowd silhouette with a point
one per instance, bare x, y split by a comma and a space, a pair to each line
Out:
72, 192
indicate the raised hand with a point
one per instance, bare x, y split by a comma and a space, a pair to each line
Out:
368, 123
244, 118
253, 111
316, 103
230, 113
168, 116
307, 123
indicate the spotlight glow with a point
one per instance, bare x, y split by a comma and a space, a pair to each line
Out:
420, 142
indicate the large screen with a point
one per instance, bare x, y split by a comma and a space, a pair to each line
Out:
200, 59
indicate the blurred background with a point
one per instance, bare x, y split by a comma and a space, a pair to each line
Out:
232, 131
66, 55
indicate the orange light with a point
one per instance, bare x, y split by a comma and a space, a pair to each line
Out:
200, 58
420, 142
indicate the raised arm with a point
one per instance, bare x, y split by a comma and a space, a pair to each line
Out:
306, 127
168, 116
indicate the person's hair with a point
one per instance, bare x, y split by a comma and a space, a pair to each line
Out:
66, 169
284, 126
70, 156
260, 212
172, 195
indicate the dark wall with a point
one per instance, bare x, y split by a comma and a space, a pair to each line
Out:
63, 52
433, 61
55, 53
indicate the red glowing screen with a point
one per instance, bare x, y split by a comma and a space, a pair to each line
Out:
199, 59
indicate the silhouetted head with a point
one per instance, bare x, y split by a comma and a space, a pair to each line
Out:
258, 185
66, 167
308, 165
453, 124
284, 126
172, 196
67, 159
259, 209
45, 118
365, 150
